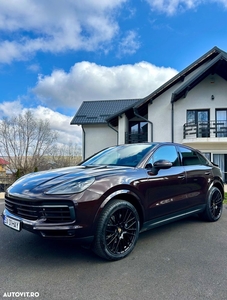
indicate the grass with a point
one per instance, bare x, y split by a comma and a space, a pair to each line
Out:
225, 198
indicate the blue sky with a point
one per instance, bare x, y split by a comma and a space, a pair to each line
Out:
54, 54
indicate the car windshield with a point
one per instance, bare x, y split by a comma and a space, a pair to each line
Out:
124, 155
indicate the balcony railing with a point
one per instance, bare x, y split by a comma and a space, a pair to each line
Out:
210, 129
132, 138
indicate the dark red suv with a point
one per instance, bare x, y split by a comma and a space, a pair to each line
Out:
117, 193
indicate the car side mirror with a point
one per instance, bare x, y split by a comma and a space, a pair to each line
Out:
149, 166
162, 164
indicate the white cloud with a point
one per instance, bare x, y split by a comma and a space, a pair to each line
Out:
224, 2
61, 124
34, 68
89, 81
9, 109
55, 26
28, 26
170, 7
58, 122
129, 44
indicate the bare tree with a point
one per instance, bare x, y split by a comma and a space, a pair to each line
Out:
25, 140
65, 155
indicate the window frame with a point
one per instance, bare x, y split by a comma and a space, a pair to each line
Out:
202, 127
202, 160
151, 161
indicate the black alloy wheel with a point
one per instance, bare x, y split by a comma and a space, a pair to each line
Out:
117, 230
214, 205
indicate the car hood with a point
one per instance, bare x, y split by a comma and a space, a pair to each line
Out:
40, 182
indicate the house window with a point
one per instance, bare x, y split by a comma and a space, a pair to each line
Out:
137, 132
201, 118
221, 122
221, 161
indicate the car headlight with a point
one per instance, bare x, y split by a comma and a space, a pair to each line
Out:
71, 187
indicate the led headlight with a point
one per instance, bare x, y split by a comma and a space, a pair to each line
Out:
71, 187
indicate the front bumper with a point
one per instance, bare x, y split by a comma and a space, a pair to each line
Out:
48, 230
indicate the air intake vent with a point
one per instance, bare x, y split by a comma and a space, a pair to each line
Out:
57, 212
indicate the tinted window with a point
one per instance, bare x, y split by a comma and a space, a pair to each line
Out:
203, 160
124, 155
207, 155
167, 152
189, 157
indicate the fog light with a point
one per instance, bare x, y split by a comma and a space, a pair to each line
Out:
71, 232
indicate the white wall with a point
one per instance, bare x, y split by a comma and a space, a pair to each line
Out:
200, 98
160, 114
98, 137
122, 127
160, 111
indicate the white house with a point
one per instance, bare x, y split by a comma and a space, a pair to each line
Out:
191, 108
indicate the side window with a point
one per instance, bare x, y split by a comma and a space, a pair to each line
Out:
189, 157
203, 160
167, 152
207, 155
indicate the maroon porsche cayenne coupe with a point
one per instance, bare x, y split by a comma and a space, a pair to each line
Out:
114, 195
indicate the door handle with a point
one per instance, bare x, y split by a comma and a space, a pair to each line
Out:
181, 176
207, 173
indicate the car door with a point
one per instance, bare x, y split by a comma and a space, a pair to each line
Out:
199, 175
165, 188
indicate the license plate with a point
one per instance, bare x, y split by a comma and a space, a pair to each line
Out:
12, 223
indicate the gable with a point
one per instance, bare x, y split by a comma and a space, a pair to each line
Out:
216, 66
214, 55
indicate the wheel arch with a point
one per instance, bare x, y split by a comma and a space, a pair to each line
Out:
219, 185
125, 195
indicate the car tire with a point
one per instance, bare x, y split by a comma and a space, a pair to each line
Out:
214, 206
117, 230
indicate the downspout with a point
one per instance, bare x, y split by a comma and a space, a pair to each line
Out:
172, 123
108, 123
137, 114
172, 118
83, 143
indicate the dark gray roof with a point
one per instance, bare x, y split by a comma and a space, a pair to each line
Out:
96, 112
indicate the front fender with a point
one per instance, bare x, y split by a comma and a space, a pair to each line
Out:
124, 194
216, 183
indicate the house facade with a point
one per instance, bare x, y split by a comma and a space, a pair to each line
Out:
191, 108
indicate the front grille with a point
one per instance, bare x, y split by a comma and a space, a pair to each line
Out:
57, 212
